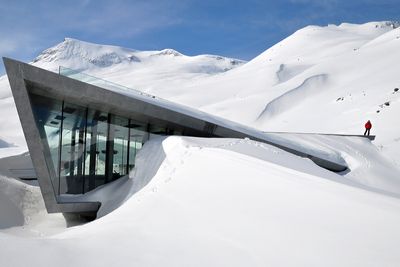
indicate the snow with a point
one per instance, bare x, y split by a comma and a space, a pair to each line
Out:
22, 212
232, 202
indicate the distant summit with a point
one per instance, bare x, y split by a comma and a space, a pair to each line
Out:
169, 52
373, 24
83, 55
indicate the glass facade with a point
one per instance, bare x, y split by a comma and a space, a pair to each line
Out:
87, 148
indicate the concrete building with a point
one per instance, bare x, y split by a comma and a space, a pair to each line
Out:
82, 136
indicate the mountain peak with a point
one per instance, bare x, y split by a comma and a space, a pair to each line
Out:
87, 54
169, 52
82, 55
387, 25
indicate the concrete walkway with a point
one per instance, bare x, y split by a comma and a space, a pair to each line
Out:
370, 137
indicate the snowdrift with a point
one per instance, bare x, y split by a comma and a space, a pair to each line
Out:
229, 202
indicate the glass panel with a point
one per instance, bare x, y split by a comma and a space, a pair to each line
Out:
87, 148
120, 137
80, 76
47, 113
176, 132
137, 136
96, 141
156, 131
72, 149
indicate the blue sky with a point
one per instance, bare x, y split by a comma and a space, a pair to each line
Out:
240, 29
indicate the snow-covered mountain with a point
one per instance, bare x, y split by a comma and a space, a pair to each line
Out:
142, 69
214, 202
320, 79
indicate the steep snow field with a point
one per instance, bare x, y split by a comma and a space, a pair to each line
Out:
232, 202
321, 79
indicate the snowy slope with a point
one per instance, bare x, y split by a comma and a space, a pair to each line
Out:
226, 202
321, 79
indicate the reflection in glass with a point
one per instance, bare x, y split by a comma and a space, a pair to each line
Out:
96, 141
72, 149
137, 137
86, 148
118, 140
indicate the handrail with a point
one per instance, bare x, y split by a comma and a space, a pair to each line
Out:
84, 77
370, 137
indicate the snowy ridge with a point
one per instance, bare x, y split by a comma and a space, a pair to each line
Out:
83, 55
71, 49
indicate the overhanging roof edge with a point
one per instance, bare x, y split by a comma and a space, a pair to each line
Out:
182, 115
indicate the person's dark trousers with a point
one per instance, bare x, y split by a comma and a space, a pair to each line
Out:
367, 131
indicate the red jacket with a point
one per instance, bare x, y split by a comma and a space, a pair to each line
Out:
368, 125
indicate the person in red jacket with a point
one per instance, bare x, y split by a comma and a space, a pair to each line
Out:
368, 127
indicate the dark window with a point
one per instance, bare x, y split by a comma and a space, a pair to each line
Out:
87, 148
